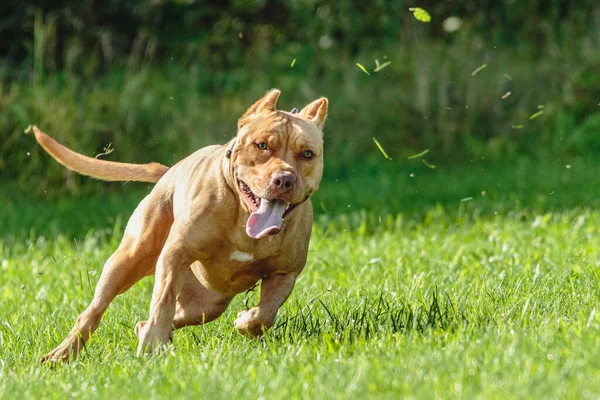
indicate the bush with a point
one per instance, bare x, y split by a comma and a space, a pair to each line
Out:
160, 79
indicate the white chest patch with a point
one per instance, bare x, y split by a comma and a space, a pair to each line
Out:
241, 256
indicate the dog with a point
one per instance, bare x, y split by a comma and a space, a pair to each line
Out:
214, 225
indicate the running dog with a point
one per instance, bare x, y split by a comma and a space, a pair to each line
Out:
214, 225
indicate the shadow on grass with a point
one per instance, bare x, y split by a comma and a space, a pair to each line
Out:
374, 316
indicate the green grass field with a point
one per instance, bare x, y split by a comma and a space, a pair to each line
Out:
460, 282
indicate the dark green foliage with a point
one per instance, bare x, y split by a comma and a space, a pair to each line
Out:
160, 79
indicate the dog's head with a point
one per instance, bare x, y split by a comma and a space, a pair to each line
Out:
277, 161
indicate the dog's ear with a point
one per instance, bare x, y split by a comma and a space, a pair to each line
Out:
266, 104
316, 112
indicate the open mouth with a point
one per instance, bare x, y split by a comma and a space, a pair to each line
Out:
266, 215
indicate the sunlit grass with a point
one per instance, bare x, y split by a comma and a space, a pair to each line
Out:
489, 299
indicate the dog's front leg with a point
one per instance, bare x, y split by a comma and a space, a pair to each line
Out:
170, 276
274, 292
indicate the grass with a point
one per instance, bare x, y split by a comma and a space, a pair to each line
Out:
409, 292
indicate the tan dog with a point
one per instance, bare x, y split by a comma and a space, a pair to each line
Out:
215, 224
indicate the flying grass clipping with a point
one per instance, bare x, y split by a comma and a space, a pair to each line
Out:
363, 69
428, 165
421, 154
107, 150
420, 14
424, 161
381, 149
379, 66
479, 69
537, 114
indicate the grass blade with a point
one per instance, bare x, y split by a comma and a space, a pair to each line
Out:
421, 154
537, 114
363, 69
479, 69
381, 149
381, 66
427, 164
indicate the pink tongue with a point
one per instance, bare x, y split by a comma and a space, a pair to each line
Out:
267, 218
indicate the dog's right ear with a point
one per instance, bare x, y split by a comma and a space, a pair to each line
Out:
316, 112
266, 104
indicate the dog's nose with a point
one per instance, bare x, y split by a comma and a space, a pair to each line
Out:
283, 181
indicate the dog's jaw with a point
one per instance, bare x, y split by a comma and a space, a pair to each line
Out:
252, 201
266, 215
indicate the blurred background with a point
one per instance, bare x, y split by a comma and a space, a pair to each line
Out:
505, 92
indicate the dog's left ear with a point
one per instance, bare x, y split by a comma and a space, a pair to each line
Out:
266, 104
316, 112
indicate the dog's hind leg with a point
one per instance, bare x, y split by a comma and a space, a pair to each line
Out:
196, 304
135, 258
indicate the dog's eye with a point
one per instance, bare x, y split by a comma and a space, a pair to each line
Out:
262, 146
308, 154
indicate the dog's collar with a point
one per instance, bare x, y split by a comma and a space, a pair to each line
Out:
230, 149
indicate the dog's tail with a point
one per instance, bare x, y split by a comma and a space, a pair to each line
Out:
99, 169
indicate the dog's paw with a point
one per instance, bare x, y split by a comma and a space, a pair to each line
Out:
151, 339
64, 352
249, 323
140, 325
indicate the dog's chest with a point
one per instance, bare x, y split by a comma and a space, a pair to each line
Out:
242, 256
234, 269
